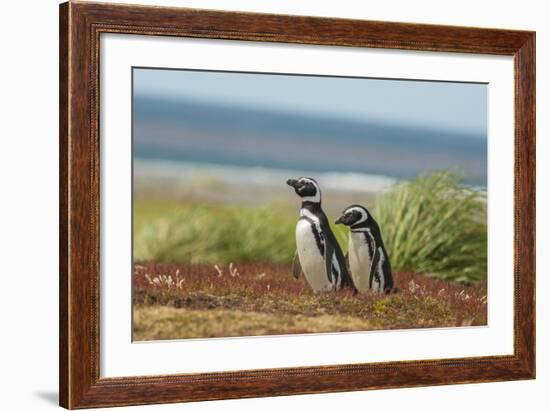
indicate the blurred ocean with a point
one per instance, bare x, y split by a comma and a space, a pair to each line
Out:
177, 131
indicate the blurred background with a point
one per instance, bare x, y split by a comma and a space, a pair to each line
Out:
236, 137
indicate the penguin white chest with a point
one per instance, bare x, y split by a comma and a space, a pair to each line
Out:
359, 260
311, 258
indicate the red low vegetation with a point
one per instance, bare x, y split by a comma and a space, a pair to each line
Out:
421, 301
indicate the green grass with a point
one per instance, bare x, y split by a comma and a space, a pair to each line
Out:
216, 234
436, 226
431, 225
150, 212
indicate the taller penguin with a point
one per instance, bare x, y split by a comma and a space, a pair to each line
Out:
318, 254
368, 260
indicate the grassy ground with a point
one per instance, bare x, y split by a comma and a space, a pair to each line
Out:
173, 301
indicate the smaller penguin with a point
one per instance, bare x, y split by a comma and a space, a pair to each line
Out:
368, 260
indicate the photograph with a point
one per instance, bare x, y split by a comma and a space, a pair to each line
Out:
284, 203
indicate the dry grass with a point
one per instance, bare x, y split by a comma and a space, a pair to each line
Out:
163, 323
198, 301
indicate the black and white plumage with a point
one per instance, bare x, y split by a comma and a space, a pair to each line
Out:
318, 254
368, 260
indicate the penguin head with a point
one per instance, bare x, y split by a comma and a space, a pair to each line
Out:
353, 216
307, 188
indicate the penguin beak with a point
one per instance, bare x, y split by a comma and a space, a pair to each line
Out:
291, 182
339, 221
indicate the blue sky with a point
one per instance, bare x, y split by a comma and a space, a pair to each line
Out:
438, 105
397, 128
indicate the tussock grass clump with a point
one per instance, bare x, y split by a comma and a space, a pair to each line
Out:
200, 233
435, 226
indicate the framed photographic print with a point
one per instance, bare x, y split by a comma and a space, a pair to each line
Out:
258, 205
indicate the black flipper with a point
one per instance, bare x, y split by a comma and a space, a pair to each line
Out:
296, 266
374, 267
388, 277
346, 257
329, 253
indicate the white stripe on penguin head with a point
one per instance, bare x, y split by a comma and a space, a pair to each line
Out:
364, 215
315, 198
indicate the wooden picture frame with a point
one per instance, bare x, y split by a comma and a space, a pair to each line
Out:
80, 27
